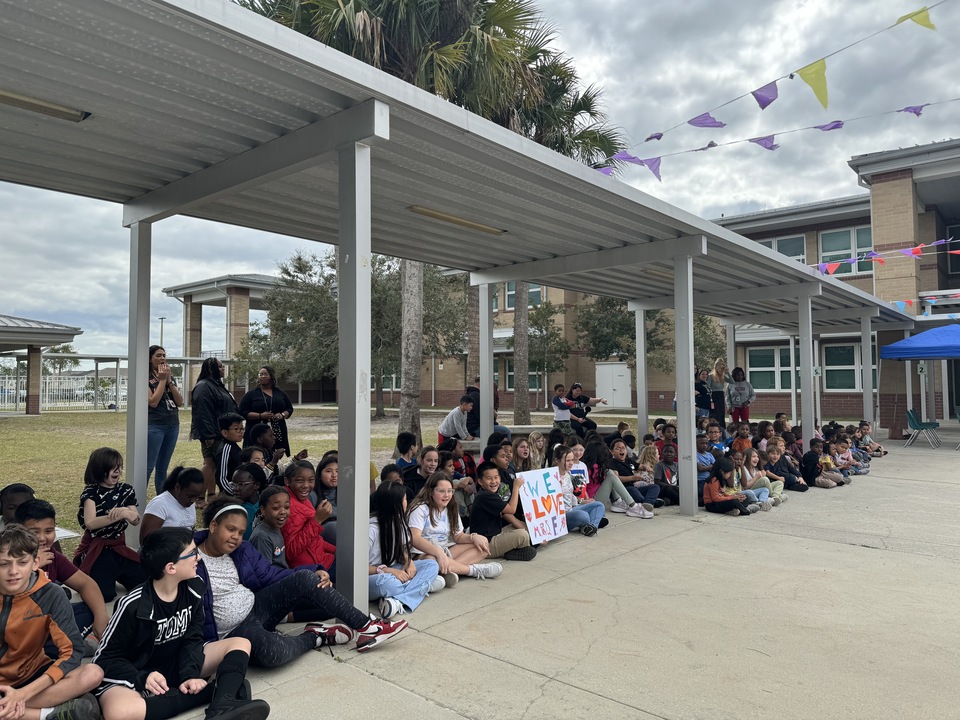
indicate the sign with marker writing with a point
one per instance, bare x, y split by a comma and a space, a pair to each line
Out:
543, 505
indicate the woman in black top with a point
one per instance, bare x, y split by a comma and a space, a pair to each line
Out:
209, 400
163, 420
702, 399
267, 403
579, 420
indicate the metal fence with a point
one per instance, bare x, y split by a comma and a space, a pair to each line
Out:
65, 392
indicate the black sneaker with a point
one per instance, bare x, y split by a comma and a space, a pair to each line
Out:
603, 523
523, 553
239, 710
658, 503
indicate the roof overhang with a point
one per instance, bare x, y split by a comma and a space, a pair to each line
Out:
21, 333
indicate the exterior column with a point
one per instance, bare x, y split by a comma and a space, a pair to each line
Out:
931, 380
486, 362
138, 367
945, 389
808, 393
731, 331
238, 325
34, 379
866, 368
793, 380
353, 381
643, 411
683, 347
192, 341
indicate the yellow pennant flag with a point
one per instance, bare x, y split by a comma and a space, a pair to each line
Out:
920, 17
815, 75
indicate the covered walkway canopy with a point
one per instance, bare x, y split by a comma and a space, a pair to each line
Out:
18, 333
199, 107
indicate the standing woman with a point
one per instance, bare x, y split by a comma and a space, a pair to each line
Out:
267, 403
209, 400
702, 399
163, 419
717, 385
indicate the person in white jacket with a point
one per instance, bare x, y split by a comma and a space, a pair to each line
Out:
740, 394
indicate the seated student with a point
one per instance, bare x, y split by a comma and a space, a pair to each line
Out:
391, 473
868, 443
495, 518
328, 480
267, 536
792, 446
226, 451
40, 670
844, 461
464, 488
40, 518
107, 506
407, 448
715, 439
454, 425
812, 470
583, 514
621, 430
756, 497
705, 462
765, 432
658, 425
603, 482
742, 441
258, 455
415, 477
749, 467
644, 491
436, 532
398, 581
669, 438
665, 476
714, 498
248, 597
855, 438
778, 468
649, 439
176, 506
249, 481
303, 530
538, 452
155, 662
12, 497
522, 459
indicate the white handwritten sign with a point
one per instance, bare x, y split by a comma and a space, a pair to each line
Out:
543, 505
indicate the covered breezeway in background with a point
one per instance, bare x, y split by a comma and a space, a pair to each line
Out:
19, 334
201, 108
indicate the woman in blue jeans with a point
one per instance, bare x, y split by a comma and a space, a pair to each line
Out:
163, 418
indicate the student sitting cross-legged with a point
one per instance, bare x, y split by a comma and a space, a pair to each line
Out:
40, 670
495, 518
154, 659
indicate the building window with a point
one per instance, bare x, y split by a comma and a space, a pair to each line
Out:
839, 245
533, 299
793, 246
953, 261
768, 368
534, 378
842, 367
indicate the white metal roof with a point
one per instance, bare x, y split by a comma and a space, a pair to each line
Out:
176, 86
17, 333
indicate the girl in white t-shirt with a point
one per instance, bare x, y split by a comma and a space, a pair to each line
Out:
176, 506
436, 532
400, 582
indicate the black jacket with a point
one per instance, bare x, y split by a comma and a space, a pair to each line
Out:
473, 417
209, 400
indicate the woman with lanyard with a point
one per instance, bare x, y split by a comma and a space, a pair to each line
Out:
582, 404
209, 400
717, 385
163, 419
267, 403
702, 399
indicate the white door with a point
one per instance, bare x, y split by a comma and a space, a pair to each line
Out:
613, 383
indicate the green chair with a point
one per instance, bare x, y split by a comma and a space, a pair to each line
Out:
928, 429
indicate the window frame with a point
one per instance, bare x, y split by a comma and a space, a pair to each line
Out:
857, 366
774, 244
510, 296
777, 368
863, 267
534, 378
953, 261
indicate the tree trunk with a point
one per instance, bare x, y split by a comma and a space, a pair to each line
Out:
411, 281
473, 331
378, 394
521, 355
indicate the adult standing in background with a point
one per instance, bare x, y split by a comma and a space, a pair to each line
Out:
163, 418
208, 401
702, 399
267, 403
717, 385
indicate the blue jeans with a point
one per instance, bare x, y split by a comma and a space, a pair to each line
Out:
757, 495
644, 493
410, 593
590, 513
161, 441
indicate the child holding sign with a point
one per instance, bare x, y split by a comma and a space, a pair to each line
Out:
582, 513
495, 518
436, 532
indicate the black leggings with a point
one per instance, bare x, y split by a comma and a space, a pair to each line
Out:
669, 492
583, 427
726, 506
111, 568
270, 607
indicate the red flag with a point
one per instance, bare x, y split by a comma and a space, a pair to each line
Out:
832, 267
879, 260
909, 302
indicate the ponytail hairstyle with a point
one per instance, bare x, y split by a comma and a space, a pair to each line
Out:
386, 505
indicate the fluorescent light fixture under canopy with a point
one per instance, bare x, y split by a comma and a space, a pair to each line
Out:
24, 102
453, 219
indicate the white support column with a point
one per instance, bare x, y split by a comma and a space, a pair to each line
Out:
731, 331
808, 395
486, 362
866, 368
643, 411
945, 389
683, 345
817, 382
138, 367
793, 380
931, 390
353, 381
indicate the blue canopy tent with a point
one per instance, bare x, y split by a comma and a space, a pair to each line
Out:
940, 343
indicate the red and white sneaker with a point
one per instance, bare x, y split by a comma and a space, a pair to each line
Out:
331, 633
378, 632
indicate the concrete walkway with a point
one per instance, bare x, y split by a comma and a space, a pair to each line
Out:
839, 604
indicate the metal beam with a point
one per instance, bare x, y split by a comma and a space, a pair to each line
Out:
368, 122
773, 292
866, 367
639, 254
643, 411
138, 366
486, 363
683, 348
807, 394
787, 316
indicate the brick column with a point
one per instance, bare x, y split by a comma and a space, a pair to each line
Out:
34, 379
192, 336
238, 319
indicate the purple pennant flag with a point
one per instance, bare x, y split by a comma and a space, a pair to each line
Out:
654, 165
655, 136
765, 95
915, 109
765, 142
940, 242
706, 121
835, 125
605, 170
908, 252
851, 261
624, 156
871, 254
822, 267
709, 145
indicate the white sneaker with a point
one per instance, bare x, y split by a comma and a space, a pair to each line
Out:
482, 571
390, 607
766, 505
784, 497
438, 583
639, 511
647, 506
618, 507
775, 500
752, 508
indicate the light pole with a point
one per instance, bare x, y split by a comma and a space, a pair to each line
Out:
161, 319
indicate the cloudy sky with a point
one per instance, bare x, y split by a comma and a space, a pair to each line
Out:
660, 64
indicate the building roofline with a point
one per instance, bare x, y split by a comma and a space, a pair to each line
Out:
822, 211
870, 164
